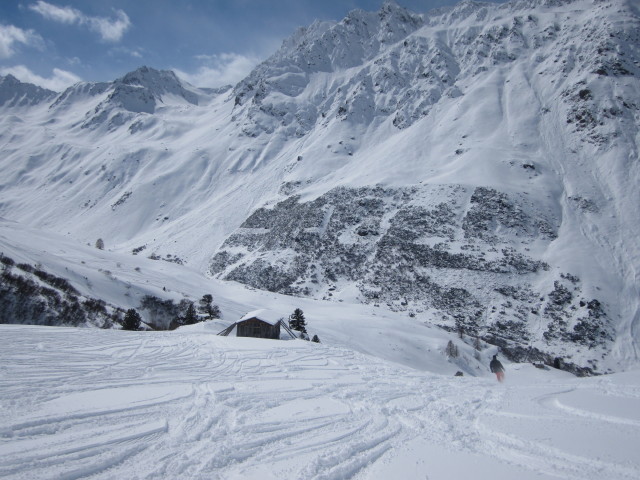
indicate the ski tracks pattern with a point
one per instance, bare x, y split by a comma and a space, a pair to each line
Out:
556, 437
110, 405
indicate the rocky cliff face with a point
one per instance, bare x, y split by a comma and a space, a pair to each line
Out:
469, 256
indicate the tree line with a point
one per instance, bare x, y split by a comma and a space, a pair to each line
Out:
167, 315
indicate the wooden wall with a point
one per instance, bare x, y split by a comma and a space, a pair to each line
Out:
254, 327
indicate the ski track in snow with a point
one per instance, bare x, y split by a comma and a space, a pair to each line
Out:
80, 403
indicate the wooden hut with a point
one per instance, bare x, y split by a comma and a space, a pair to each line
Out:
259, 324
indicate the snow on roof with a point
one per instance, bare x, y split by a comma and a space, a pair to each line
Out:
264, 315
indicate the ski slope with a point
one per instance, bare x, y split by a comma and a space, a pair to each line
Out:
188, 404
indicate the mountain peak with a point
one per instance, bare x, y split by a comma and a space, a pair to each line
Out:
14, 92
9, 79
327, 47
150, 77
392, 8
158, 83
141, 91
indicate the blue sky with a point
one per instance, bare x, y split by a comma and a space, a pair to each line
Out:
55, 43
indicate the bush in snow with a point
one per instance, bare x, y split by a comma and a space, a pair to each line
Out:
160, 313
32, 296
8, 262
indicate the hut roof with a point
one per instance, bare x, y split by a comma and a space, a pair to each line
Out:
264, 315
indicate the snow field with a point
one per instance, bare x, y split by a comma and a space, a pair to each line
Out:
85, 403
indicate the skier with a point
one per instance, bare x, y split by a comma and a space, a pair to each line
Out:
496, 367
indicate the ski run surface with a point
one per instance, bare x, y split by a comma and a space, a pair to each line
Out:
188, 404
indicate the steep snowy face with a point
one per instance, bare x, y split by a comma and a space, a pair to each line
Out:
86, 153
333, 70
14, 93
79, 93
397, 64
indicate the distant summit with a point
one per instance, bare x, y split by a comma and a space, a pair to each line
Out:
156, 84
142, 91
145, 88
14, 93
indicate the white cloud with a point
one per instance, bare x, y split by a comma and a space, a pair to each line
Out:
110, 30
135, 52
59, 80
219, 70
10, 36
67, 15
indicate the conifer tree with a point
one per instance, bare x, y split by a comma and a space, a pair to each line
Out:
297, 321
452, 350
131, 320
206, 307
190, 317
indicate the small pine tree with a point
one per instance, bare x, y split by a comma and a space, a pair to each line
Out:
100, 244
297, 321
206, 307
452, 350
204, 304
131, 320
315, 339
190, 317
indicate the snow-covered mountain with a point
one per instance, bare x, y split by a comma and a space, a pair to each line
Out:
475, 167
14, 93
